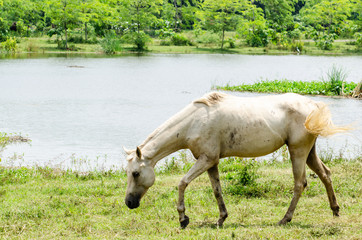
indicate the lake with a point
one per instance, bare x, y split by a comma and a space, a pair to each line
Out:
81, 110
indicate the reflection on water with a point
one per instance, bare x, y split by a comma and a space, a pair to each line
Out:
79, 109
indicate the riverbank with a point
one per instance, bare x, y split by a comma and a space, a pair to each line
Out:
46, 203
45, 45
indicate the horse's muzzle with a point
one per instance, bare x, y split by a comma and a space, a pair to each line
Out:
132, 201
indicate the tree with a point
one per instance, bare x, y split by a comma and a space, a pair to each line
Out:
65, 14
221, 15
327, 14
253, 26
21, 14
279, 13
140, 16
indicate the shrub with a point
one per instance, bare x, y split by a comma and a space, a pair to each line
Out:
180, 40
296, 34
324, 41
3, 31
358, 37
139, 39
257, 38
110, 43
231, 42
10, 45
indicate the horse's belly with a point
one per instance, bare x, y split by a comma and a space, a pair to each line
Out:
252, 143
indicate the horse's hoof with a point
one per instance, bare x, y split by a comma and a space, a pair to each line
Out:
185, 222
220, 222
284, 221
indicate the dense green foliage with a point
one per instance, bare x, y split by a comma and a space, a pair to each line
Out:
330, 88
259, 22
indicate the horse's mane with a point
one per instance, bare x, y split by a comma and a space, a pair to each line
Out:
211, 98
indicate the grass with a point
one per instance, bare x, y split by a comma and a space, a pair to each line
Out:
287, 86
46, 203
46, 45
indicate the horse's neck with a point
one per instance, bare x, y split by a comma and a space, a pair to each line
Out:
168, 138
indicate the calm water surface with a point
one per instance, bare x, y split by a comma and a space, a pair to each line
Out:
83, 110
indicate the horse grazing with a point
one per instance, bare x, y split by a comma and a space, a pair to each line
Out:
220, 125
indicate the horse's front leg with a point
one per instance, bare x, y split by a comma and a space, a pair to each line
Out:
202, 164
216, 187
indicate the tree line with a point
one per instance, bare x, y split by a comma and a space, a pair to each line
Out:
135, 21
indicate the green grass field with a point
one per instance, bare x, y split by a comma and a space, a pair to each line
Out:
45, 203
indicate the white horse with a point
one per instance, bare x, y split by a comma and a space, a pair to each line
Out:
220, 125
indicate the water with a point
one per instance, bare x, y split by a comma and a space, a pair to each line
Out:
83, 110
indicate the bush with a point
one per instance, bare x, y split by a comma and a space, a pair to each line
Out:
296, 34
231, 42
324, 41
258, 38
3, 31
110, 43
10, 45
180, 40
358, 37
139, 39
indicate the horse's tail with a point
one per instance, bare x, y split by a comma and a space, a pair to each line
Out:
319, 122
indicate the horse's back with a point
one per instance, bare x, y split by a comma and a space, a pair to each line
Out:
250, 127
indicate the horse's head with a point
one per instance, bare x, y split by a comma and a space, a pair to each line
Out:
140, 177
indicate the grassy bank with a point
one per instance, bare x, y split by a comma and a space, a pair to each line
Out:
44, 203
49, 45
301, 87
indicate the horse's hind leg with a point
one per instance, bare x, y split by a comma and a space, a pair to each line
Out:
323, 173
216, 187
299, 157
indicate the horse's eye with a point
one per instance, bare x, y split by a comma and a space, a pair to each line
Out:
135, 174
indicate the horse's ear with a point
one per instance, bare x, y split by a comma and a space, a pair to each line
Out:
138, 152
127, 151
